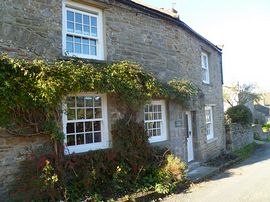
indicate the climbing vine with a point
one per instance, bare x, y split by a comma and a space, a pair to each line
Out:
32, 91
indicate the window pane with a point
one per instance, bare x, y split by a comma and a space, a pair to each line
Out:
93, 42
80, 114
71, 114
85, 19
97, 126
70, 140
97, 101
93, 31
146, 108
70, 16
70, 26
70, 128
70, 100
89, 138
77, 48
88, 126
146, 116
80, 139
78, 18
86, 49
154, 133
93, 50
78, 28
80, 101
158, 133
93, 21
77, 39
79, 127
85, 41
89, 101
89, 113
86, 30
70, 47
98, 113
97, 137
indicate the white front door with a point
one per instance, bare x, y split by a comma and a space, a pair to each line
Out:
189, 137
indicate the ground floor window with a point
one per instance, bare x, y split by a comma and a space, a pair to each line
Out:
209, 122
155, 121
85, 123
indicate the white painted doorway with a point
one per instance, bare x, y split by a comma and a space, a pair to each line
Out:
189, 136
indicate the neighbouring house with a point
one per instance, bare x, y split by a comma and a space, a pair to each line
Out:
261, 114
116, 30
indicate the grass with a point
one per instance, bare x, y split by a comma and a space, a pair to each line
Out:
246, 151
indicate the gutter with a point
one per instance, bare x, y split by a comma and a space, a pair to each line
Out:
169, 18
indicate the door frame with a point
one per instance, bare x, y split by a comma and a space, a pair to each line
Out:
189, 136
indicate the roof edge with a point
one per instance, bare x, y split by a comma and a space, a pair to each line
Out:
170, 19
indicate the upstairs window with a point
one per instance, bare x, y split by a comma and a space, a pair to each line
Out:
209, 122
82, 31
205, 68
155, 121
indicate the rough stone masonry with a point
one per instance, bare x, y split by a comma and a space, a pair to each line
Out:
33, 29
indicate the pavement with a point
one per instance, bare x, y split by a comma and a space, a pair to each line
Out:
248, 181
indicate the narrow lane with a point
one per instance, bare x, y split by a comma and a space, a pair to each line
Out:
246, 182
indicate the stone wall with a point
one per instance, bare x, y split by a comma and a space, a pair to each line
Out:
13, 150
238, 136
33, 29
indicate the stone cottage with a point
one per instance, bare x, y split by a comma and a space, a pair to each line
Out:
115, 30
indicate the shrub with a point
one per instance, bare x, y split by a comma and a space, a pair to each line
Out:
266, 127
239, 114
129, 166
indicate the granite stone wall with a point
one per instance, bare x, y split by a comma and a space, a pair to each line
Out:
14, 150
238, 136
33, 29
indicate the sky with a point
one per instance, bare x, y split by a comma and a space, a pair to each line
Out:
242, 26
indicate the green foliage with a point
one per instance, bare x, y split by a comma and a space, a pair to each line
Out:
170, 174
266, 127
247, 150
182, 90
31, 91
131, 165
239, 114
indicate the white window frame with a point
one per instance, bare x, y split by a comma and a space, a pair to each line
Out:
211, 123
90, 11
163, 122
205, 68
104, 128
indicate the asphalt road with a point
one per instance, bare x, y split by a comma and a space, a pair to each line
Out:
246, 182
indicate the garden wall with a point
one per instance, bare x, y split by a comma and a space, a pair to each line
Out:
13, 150
238, 136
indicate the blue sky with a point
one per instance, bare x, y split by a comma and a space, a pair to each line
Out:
242, 26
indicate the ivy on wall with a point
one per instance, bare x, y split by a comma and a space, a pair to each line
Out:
31, 91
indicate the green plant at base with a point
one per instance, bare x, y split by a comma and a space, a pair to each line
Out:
247, 150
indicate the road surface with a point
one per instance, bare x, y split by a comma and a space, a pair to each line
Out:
246, 182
